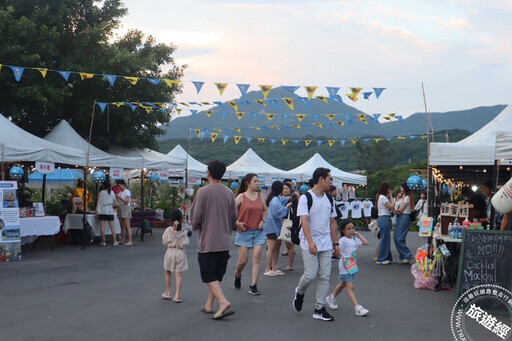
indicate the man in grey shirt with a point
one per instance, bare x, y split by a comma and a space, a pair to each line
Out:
214, 214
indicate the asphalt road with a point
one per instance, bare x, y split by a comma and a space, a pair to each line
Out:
114, 294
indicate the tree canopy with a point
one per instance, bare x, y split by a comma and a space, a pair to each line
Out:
79, 36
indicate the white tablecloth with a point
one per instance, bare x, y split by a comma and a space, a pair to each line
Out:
74, 221
33, 227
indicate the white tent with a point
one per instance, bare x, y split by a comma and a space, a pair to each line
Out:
65, 135
17, 145
150, 159
250, 162
196, 169
306, 170
503, 148
477, 149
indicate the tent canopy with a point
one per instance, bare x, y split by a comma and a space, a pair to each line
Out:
250, 162
196, 169
60, 175
503, 148
150, 159
65, 135
17, 145
305, 171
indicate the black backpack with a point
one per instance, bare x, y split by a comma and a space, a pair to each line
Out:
296, 226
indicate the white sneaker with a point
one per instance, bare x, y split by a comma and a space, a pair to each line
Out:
116, 243
331, 302
361, 311
103, 244
386, 262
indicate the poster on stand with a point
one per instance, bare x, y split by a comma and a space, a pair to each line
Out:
10, 238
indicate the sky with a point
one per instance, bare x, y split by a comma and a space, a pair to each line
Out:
460, 50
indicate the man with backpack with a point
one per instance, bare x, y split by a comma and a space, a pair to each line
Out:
318, 238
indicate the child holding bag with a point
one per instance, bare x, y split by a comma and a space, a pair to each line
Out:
348, 266
175, 260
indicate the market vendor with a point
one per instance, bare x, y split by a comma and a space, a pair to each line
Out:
79, 192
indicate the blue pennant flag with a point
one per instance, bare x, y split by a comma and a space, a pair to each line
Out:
336, 98
287, 127
220, 104
330, 123
376, 117
366, 140
265, 128
245, 102
202, 135
194, 103
400, 118
223, 114
254, 115
243, 88
111, 79
226, 138
308, 125
378, 91
412, 137
305, 101
366, 95
286, 117
273, 140
389, 138
249, 139
18, 72
333, 91
174, 104
198, 85
64, 74
273, 102
132, 106
193, 112
315, 117
154, 81
152, 105
319, 142
348, 122
102, 105
292, 88
342, 142
163, 110
295, 141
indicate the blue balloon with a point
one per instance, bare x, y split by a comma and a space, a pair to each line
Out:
153, 177
16, 173
415, 182
98, 176
233, 185
303, 188
445, 188
424, 185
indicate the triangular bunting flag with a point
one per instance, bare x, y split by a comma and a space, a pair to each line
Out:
243, 89
318, 124
206, 103
307, 142
132, 80
412, 137
118, 104
400, 119
209, 113
270, 116
376, 117
353, 97
292, 88
354, 141
361, 116
392, 115
260, 101
274, 103
341, 123
233, 104
423, 137
310, 90
214, 136
154, 81
111, 79
356, 91
171, 82
323, 98
284, 141
261, 139
297, 126
220, 104
333, 91
286, 117
388, 118
178, 111
84, 75
305, 101
366, 95
102, 106
275, 127
331, 142
193, 112
319, 142
43, 71
273, 141
364, 121
265, 89
18, 72
289, 102
198, 86
330, 116
198, 132
366, 140
221, 87
296, 141
240, 115
237, 129
237, 139
378, 91
378, 140
342, 142
219, 130
132, 106
401, 137
300, 117
226, 138
249, 139
64, 74
315, 117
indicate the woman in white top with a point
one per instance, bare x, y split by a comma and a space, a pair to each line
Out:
125, 209
421, 206
105, 211
398, 201
385, 203
403, 223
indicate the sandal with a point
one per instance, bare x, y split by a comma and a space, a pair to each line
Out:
128, 244
203, 309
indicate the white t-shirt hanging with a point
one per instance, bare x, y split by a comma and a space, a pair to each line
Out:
355, 207
320, 216
367, 208
344, 193
347, 247
352, 192
344, 208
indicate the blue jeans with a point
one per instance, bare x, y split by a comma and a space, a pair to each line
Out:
404, 221
316, 266
384, 223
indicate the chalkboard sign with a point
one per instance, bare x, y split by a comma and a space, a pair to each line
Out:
486, 258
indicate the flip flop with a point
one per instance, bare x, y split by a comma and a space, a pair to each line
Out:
176, 300
165, 297
203, 309
219, 316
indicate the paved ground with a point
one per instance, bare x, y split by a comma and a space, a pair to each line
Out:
114, 294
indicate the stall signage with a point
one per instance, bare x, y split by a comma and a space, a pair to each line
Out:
10, 236
194, 181
174, 182
45, 167
116, 173
164, 175
454, 210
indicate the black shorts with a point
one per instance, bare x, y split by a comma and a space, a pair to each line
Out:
213, 265
106, 217
272, 236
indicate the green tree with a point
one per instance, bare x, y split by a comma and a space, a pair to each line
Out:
373, 156
79, 36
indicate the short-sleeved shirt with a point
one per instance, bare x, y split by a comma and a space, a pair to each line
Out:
407, 201
347, 247
367, 208
344, 208
319, 220
355, 207
381, 205
125, 194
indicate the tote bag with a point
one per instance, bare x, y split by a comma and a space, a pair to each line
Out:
286, 234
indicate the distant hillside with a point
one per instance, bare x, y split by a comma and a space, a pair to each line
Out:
469, 120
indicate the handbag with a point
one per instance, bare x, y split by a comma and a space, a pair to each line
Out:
374, 227
89, 232
286, 234
350, 263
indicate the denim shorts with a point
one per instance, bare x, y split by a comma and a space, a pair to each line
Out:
250, 238
346, 277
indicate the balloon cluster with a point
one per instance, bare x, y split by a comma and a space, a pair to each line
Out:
154, 177
234, 185
16, 173
417, 183
98, 176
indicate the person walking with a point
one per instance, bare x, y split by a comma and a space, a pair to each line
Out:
318, 238
293, 197
214, 215
252, 213
385, 204
105, 211
403, 213
125, 211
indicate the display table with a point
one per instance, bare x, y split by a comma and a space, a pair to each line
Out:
33, 227
74, 222
451, 263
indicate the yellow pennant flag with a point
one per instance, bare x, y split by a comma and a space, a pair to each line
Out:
178, 111
221, 87
318, 124
364, 121
310, 90
185, 104
233, 104
260, 101
289, 102
356, 91
209, 113
300, 117
134, 80
388, 118
240, 115
270, 116
323, 98
118, 104
147, 108
237, 139
206, 103
331, 116
362, 118
284, 141
160, 104
237, 129
198, 132
261, 139
265, 89
219, 130
257, 128
392, 115
424, 137
297, 126
275, 127
341, 123
353, 97
214, 136
354, 141
84, 75
43, 71
0, 67
378, 140
307, 142
401, 137
331, 142
169, 82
